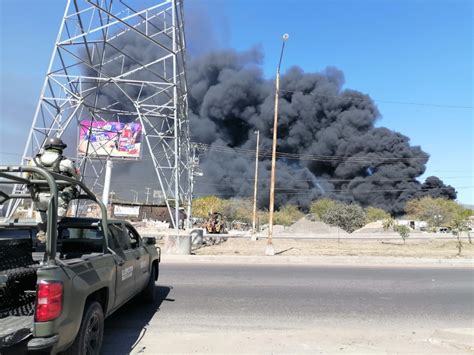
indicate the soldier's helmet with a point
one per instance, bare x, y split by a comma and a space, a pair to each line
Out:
55, 143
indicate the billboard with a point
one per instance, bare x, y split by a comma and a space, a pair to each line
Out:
114, 139
126, 210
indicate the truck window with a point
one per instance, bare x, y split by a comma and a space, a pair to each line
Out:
76, 241
80, 233
119, 238
134, 238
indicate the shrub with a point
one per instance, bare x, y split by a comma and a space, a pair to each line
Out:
347, 217
202, 206
287, 215
375, 214
238, 209
320, 207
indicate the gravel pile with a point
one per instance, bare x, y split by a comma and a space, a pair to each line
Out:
373, 227
306, 225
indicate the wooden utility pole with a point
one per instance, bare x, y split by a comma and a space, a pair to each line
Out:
269, 250
254, 220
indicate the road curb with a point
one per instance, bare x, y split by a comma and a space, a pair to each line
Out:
320, 260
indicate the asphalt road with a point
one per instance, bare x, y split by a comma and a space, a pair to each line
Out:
212, 308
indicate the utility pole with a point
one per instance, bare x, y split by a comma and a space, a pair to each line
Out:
136, 195
269, 249
254, 220
192, 168
147, 193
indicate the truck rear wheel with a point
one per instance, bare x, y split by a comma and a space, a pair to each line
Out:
89, 338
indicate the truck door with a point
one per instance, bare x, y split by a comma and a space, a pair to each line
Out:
143, 258
125, 260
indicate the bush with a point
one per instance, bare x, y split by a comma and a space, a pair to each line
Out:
238, 209
202, 206
436, 211
287, 215
320, 207
375, 214
347, 217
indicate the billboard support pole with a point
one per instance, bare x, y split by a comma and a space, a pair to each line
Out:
108, 174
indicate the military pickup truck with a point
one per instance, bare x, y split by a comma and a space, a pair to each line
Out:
54, 296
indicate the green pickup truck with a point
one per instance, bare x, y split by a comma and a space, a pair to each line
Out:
54, 296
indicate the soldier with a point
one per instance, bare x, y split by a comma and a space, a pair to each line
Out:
52, 159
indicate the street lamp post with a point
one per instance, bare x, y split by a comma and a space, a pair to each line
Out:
147, 193
136, 195
269, 250
254, 219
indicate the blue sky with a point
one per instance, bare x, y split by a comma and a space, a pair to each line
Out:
412, 51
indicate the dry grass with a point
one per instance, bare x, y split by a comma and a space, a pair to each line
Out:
415, 248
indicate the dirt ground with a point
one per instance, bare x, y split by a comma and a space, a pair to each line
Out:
292, 247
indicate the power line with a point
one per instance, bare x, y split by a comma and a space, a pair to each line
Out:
310, 157
366, 179
338, 191
384, 101
372, 179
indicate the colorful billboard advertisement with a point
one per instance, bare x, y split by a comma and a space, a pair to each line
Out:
114, 139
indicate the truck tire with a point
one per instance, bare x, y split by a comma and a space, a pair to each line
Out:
149, 294
89, 338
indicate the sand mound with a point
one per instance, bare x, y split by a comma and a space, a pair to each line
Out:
373, 227
305, 225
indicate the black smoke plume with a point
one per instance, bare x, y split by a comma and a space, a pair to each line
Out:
328, 142
332, 148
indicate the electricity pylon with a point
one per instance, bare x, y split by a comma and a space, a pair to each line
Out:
113, 62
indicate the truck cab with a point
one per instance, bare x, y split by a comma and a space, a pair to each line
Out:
55, 296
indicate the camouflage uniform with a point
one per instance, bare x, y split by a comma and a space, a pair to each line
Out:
52, 159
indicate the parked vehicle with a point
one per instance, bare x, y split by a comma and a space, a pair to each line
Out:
54, 296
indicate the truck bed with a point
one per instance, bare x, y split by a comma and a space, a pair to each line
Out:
17, 290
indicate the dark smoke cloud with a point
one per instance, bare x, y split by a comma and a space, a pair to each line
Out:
350, 159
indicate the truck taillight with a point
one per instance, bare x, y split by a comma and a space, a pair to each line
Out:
49, 300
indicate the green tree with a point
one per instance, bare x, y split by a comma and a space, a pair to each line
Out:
459, 225
202, 206
436, 211
319, 207
375, 214
347, 217
287, 215
403, 230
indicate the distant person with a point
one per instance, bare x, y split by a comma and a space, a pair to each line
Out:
51, 158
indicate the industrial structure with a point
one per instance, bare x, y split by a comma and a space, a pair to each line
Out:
115, 67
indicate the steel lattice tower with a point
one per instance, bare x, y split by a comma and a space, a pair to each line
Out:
113, 62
